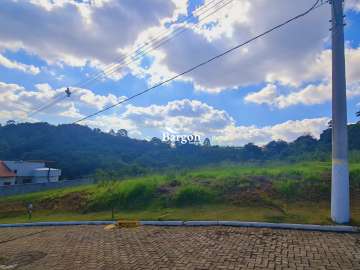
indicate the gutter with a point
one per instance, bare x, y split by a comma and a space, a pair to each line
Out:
287, 226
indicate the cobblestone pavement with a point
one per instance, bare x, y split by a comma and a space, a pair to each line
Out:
92, 247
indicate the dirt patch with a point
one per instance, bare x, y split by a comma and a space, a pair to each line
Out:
75, 201
168, 188
256, 191
326, 177
12, 207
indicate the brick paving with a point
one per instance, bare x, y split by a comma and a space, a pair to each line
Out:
92, 247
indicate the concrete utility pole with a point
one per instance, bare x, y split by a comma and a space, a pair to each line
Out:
340, 202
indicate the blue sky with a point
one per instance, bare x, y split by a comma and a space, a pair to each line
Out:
277, 88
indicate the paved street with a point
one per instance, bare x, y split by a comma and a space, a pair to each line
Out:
92, 247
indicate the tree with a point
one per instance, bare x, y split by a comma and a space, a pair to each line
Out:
10, 122
112, 132
156, 141
275, 148
122, 133
303, 144
252, 152
358, 115
330, 124
207, 142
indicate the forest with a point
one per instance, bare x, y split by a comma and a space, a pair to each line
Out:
80, 151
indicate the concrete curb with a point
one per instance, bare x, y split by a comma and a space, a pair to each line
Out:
304, 227
49, 224
162, 223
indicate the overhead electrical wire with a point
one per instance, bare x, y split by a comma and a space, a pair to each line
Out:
154, 43
163, 33
314, 6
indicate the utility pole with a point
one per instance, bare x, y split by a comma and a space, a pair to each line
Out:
340, 201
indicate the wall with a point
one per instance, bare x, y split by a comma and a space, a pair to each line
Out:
4, 180
28, 188
43, 175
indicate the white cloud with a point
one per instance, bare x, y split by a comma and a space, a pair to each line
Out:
189, 116
77, 33
311, 93
97, 101
70, 111
319, 68
195, 117
265, 59
16, 102
115, 122
353, 4
97, 32
179, 116
287, 131
19, 66
267, 95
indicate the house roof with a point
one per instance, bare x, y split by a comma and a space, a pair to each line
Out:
4, 171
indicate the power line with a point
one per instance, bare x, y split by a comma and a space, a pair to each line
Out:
314, 6
166, 38
153, 39
138, 54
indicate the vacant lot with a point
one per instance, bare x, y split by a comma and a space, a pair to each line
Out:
92, 247
296, 193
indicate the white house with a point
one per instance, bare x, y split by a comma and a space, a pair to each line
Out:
29, 172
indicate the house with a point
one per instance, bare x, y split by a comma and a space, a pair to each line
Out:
7, 177
26, 172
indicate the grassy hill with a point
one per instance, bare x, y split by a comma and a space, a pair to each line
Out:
298, 193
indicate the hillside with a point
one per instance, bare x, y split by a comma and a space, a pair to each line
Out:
297, 193
81, 151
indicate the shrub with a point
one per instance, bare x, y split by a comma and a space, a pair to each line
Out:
135, 194
124, 195
193, 195
288, 189
355, 178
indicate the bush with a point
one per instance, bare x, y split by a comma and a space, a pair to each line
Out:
124, 195
288, 189
355, 178
193, 195
135, 194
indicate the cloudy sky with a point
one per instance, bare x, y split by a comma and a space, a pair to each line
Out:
277, 87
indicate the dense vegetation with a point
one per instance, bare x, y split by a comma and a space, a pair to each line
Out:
275, 192
81, 151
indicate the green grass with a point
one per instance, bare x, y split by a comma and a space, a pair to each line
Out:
298, 193
304, 213
49, 194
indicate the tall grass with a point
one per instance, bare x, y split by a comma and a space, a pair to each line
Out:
286, 182
128, 194
193, 195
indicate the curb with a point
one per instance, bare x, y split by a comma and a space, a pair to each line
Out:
56, 224
303, 227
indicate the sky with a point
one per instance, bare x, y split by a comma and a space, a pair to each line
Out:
275, 88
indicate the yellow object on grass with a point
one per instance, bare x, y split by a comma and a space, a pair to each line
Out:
123, 224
